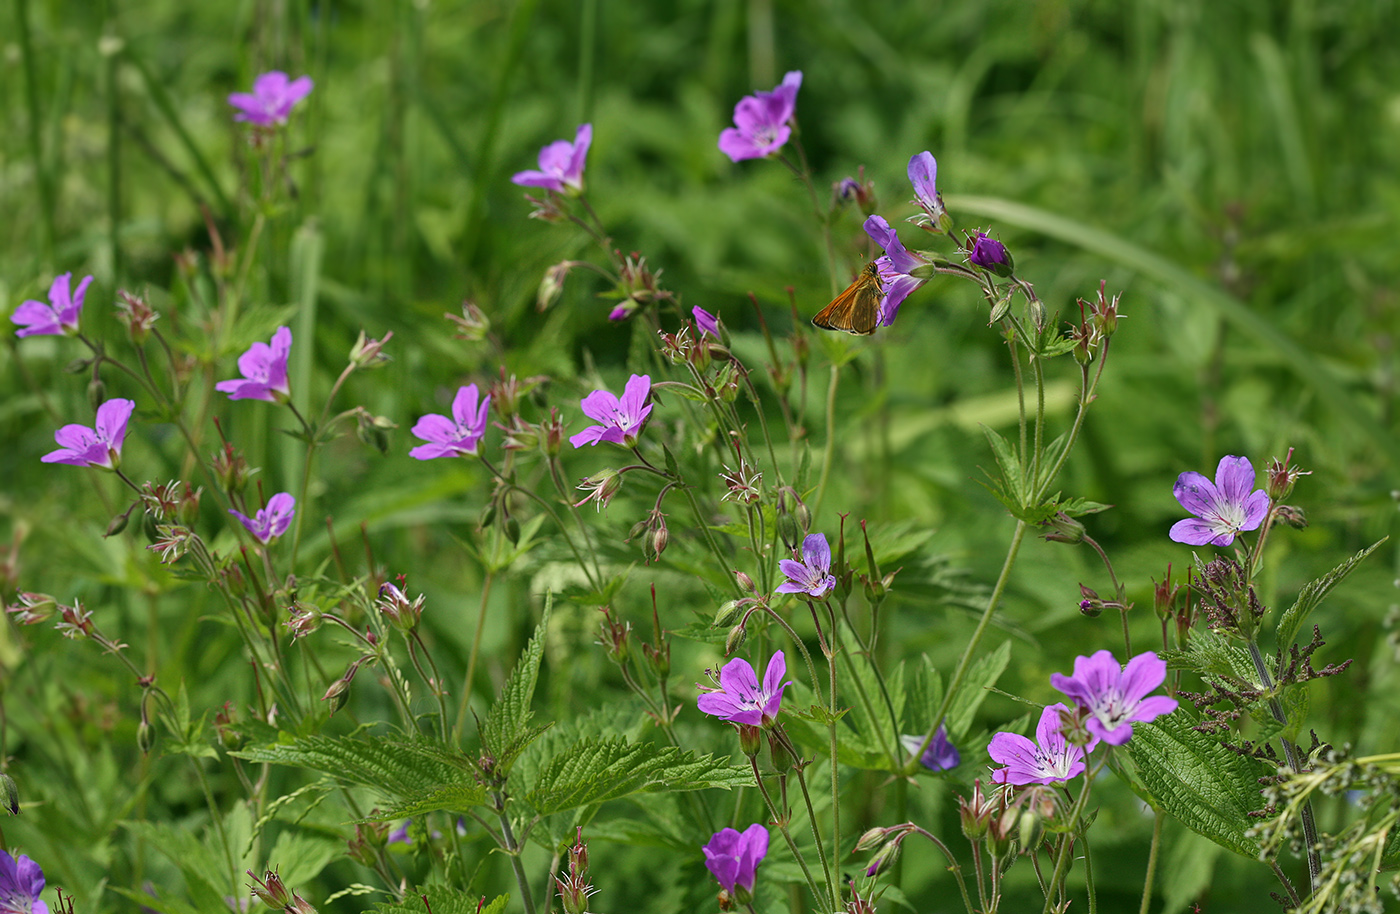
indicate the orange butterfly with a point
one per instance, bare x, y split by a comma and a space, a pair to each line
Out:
857, 310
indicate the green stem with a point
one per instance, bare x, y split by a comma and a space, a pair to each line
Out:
965, 661
471, 659
513, 851
829, 452
1151, 863
828, 866
1067, 851
781, 820
43, 178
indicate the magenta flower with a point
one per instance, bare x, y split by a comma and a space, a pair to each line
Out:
740, 699
272, 98
941, 754
811, 576
21, 881
59, 317
1049, 759
264, 370
561, 164
458, 436
622, 419
706, 321
1115, 697
1223, 509
761, 121
733, 858
895, 268
990, 255
272, 521
81, 446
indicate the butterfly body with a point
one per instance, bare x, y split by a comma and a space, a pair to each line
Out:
856, 310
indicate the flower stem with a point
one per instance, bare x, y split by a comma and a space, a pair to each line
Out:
829, 452
1151, 863
471, 659
780, 819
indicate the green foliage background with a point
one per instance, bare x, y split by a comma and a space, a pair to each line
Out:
1235, 168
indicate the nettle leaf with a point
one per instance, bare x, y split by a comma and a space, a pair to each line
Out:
507, 731
415, 776
442, 899
594, 771
981, 677
1209, 653
1314, 593
1210, 789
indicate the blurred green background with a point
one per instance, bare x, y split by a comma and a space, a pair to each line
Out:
1231, 167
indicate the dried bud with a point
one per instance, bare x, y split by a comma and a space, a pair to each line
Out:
306, 618
74, 622
271, 891
601, 487
33, 608
136, 315
230, 469
1281, 477
552, 434
615, 636
473, 324
395, 605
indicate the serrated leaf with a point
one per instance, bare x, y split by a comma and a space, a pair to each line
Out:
196, 862
982, 676
442, 899
1210, 789
416, 776
506, 731
1313, 594
1010, 488
594, 771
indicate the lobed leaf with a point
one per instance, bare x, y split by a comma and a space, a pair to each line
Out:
1313, 594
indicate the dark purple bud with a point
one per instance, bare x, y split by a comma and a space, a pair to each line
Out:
991, 255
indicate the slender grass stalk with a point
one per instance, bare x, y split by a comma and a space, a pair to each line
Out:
43, 177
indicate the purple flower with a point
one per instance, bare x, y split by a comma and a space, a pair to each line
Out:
740, 699
895, 267
271, 100
1223, 509
400, 835
81, 446
622, 419
272, 521
706, 321
761, 121
733, 857
941, 755
59, 316
561, 164
811, 576
923, 174
458, 436
991, 255
264, 370
1114, 697
21, 881
1049, 759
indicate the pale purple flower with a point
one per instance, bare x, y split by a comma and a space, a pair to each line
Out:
706, 321
1116, 697
733, 857
761, 121
923, 174
1049, 759
941, 754
622, 418
101, 446
561, 164
740, 699
272, 98
400, 834
59, 317
456, 437
811, 576
991, 255
21, 881
264, 370
621, 312
272, 521
894, 268
1224, 508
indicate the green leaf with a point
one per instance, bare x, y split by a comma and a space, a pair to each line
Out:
1313, 594
442, 900
507, 730
1010, 488
982, 676
207, 876
417, 776
1210, 789
594, 771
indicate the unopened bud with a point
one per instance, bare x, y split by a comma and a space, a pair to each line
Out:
1063, 529
271, 891
750, 739
1291, 515
1090, 605
117, 525
145, 737
367, 353
728, 611
736, 637
9, 794
745, 582
96, 392
871, 838
778, 753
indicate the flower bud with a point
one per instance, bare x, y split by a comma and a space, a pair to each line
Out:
1291, 515
659, 538
271, 891
1063, 529
145, 737
991, 255
136, 315
778, 753
736, 637
96, 392
1091, 605
33, 608
473, 324
871, 838
750, 739
552, 285
728, 611
9, 794
367, 353
1280, 477
745, 582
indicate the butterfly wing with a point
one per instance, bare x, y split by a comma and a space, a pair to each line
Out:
856, 310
